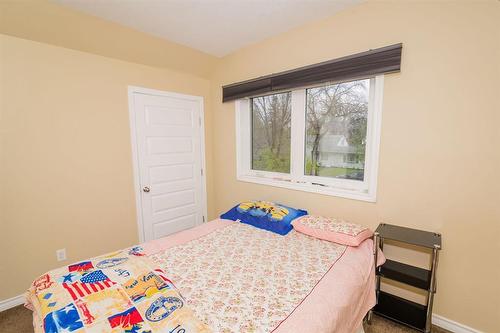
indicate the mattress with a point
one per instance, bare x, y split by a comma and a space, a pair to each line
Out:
238, 278
225, 277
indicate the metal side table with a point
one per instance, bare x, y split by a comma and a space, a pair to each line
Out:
395, 308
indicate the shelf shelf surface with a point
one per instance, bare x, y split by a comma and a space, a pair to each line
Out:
411, 275
401, 310
411, 236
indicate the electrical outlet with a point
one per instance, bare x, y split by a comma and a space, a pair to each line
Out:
61, 254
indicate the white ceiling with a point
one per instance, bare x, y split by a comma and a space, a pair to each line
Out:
217, 27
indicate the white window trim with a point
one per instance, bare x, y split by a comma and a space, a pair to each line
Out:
296, 180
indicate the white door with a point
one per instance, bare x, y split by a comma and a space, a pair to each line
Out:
167, 138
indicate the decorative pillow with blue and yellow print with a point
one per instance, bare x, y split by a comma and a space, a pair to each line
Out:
265, 215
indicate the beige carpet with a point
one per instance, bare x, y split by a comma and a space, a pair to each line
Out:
18, 320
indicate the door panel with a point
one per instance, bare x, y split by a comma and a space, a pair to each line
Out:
175, 186
169, 138
174, 225
158, 145
168, 116
163, 202
170, 173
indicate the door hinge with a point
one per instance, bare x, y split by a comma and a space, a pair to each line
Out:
201, 171
203, 217
199, 121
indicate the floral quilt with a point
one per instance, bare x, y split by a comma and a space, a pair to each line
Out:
243, 279
119, 292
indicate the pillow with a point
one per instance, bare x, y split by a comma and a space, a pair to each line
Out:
333, 230
265, 215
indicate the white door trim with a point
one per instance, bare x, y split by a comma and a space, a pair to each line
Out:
135, 156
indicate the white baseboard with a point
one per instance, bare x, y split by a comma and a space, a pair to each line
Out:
11, 302
451, 325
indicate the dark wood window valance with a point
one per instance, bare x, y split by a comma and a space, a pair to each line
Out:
377, 61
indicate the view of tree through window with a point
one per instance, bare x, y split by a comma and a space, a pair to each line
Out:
271, 134
336, 122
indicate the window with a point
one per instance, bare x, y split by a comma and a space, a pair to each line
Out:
336, 123
320, 139
271, 132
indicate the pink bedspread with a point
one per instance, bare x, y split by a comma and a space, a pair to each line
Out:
336, 302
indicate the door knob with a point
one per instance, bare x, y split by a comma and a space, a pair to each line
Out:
146, 189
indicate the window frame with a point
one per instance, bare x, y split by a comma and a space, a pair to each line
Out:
365, 190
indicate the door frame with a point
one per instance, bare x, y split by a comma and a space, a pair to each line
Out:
135, 155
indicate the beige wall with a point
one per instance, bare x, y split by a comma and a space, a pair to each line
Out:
439, 146
65, 156
65, 164
47, 22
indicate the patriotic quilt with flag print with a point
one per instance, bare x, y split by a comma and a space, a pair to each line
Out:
122, 292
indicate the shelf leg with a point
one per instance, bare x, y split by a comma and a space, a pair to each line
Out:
380, 247
376, 242
432, 289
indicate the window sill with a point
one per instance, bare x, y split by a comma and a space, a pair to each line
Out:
312, 188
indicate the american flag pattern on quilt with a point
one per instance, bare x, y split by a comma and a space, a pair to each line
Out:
119, 292
92, 282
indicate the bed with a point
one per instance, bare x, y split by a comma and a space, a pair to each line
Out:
234, 277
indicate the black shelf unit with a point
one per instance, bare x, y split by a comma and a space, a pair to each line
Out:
401, 310
398, 309
411, 275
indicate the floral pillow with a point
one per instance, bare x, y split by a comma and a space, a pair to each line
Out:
333, 230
